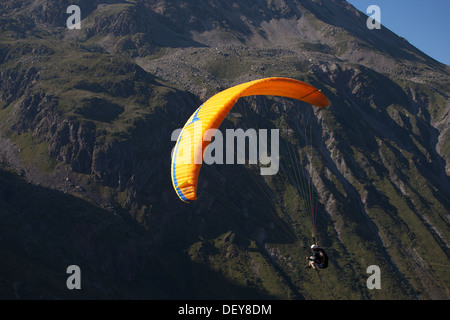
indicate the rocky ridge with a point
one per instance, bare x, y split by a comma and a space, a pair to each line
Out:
91, 112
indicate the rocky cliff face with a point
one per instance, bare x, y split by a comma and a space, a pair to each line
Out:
91, 112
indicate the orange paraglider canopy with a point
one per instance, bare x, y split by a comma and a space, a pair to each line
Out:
187, 155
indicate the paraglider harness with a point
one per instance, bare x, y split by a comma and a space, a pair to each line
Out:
320, 258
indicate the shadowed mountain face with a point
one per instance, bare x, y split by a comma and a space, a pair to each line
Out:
86, 122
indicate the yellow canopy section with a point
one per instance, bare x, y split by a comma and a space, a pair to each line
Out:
188, 155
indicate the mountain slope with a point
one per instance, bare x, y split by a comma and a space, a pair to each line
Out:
91, 112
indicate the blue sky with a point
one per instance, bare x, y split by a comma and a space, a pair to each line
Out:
425, 24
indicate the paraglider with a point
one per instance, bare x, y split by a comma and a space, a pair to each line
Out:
188, 152
318, 259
